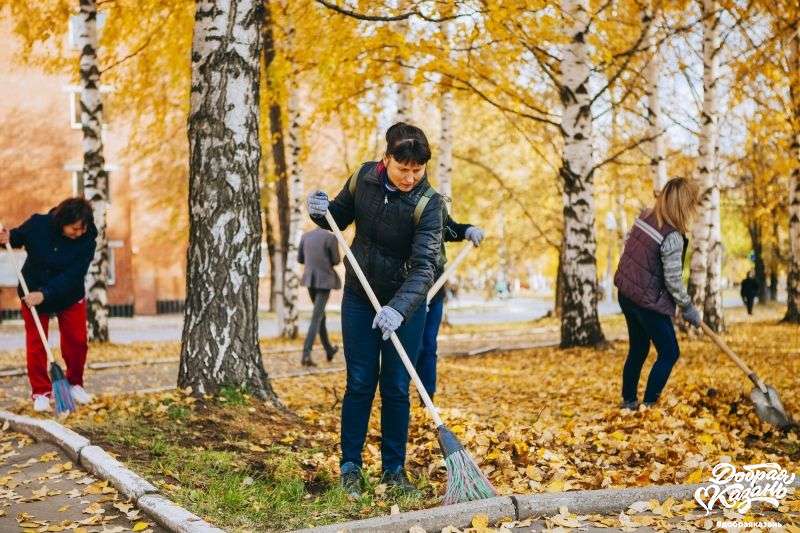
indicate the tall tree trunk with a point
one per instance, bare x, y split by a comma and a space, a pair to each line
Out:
291, 278
280, 166
444, 168
760, 271
559, 293
580, 325
793, 278
404, 94
655, 128
95, 178
220, 332
271, 251
713, 311
706, 172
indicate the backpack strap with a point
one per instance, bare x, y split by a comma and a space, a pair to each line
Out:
352, 183
423, 203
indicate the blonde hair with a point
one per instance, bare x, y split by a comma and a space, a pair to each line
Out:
676, 205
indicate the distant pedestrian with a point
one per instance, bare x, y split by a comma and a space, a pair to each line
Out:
749, 291
319, 252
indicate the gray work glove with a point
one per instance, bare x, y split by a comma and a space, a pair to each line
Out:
474, 234
691, 315
388, 320
317, 203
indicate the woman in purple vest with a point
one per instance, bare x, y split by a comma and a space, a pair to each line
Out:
649, 279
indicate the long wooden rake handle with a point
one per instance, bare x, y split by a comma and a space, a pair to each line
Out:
448, 273
426, 399
730, 353
35, 313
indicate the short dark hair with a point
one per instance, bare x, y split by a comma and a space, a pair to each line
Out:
407, 144
73, 210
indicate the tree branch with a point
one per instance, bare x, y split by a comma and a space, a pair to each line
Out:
387, 18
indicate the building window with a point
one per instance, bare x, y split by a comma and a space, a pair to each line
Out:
74, 25
112, 263
76, 176
75, 105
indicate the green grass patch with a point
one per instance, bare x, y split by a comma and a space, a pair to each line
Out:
215, 460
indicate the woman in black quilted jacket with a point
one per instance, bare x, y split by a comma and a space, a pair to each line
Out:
398, 221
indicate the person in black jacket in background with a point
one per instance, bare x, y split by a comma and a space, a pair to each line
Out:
398, 220
426, 362
749, 291
60, 246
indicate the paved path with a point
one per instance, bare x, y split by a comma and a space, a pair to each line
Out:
469, 310
41, 490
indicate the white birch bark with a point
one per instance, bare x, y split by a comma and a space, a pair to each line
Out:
655, 128
444, 167
95, 178
291, 278
707, 165
220, 333
579, 320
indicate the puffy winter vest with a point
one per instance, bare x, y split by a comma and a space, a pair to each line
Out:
640, 274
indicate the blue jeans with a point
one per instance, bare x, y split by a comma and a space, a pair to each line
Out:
426, 362
645, 326
371, 361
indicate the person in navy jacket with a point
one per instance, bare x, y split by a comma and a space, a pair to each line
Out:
60, 246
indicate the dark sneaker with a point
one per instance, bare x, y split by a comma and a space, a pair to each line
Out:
351, 479
306, 361
333, 352
632, 406
398, 482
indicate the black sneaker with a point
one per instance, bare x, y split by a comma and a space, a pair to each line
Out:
631, 406
306, 361
351, 479
398, 482
330, 354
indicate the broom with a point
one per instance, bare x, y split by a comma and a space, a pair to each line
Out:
465, 481
61, 394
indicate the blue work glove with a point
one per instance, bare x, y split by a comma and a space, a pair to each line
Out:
691, 315
474, 234
388, 320
317, 203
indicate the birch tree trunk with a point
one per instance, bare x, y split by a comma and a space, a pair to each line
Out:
793, 278
404, 93
712, 306
655, 128
220, 333
95, 178
291, 278
444, 167
580, 325
706, 171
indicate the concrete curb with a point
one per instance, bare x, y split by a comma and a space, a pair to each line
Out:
517, 507
98, 462
101, 464
48, 430
459, 515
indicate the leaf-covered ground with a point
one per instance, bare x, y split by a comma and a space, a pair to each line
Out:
536, 420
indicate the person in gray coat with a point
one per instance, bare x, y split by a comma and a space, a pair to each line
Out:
319, 252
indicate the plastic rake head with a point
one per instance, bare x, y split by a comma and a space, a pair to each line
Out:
61, 391
465, 480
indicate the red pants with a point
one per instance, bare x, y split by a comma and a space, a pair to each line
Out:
72, 325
